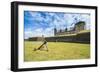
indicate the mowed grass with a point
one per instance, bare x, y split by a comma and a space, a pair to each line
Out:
57, 51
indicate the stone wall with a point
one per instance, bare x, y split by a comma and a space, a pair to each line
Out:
80, 37
64, 33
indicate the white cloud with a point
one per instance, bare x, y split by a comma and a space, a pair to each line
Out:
39, 32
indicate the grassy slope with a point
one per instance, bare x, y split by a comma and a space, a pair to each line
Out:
57, 51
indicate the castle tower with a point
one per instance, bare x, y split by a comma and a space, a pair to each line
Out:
55, 31
80, 26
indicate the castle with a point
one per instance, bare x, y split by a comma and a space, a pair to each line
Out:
79, 26
76, 34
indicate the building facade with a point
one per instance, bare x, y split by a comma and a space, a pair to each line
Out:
79, 26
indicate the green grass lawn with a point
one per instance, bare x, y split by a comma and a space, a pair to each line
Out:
57, 51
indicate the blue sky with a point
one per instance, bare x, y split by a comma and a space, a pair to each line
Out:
43, 23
